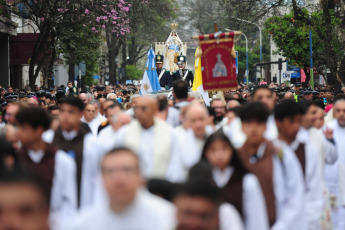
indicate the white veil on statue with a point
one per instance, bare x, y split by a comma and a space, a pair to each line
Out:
173, 47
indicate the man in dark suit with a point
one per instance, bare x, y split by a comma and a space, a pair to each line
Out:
165, 79
183, 73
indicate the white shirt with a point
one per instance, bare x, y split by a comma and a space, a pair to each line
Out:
339, 137
271, 132
254, 208
100, 118
147, 212
229, 218
314, 184
94, 124
173, 117
92, 153
289, 190
191, 146
235, 134
63, 200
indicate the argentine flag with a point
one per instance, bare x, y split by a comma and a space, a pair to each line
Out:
150, 82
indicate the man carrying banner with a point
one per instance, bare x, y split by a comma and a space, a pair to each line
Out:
164, 77
183, 73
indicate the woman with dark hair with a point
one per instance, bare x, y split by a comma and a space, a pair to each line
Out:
238, 187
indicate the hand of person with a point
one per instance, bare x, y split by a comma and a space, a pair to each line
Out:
328, 133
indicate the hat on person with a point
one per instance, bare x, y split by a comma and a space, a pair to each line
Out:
159, 59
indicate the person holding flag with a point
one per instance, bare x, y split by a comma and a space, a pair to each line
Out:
150, 81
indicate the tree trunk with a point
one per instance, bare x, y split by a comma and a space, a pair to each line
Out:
71, 72
38, 55
114, 45
124, 61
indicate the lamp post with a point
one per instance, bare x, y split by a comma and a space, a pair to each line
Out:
247, 71
311, 59
239, 19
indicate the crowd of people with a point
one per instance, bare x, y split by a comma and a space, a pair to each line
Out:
105, 157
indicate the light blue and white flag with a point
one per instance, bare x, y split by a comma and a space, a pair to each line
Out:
150, 82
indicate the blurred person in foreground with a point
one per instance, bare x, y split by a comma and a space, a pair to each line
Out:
23, 202
55, 169
82, 146
128, 205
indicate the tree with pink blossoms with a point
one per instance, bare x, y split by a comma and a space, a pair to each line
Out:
51, 18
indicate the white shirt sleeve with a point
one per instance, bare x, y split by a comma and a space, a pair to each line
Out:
314, 187
254, 208
331, 154
64, 191
175, 171
229, 218
289, 191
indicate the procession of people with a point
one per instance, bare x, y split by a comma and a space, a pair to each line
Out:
108, 157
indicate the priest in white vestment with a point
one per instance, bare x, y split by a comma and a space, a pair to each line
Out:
153, 140
336, 173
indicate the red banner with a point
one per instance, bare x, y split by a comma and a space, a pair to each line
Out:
218, 61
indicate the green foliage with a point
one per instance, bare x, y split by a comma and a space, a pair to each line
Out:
292, 37
91, 70
133, 73
78, 43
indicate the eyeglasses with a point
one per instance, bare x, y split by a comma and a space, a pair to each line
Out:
143, 108
116, 170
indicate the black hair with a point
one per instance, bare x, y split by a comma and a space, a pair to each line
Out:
287, 108
255, 111
53, 107
20, 176
259, 87
304, 105
114, 105
201, 170
73, 101
34, 117
162, 103
163, 188
200, 188
181, 89
5, 151
319, 103
220, 136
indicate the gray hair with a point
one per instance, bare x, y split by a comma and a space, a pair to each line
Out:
89, 96
95, 102
111, 94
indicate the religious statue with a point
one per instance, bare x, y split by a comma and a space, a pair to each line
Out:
173, 46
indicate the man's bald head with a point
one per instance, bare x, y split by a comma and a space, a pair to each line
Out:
145, 109
197, 119
289, 96
232, 104
339, 111
83, 97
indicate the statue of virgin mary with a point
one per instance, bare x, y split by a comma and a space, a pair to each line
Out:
173, 47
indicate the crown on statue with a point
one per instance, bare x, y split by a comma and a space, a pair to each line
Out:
174, 26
